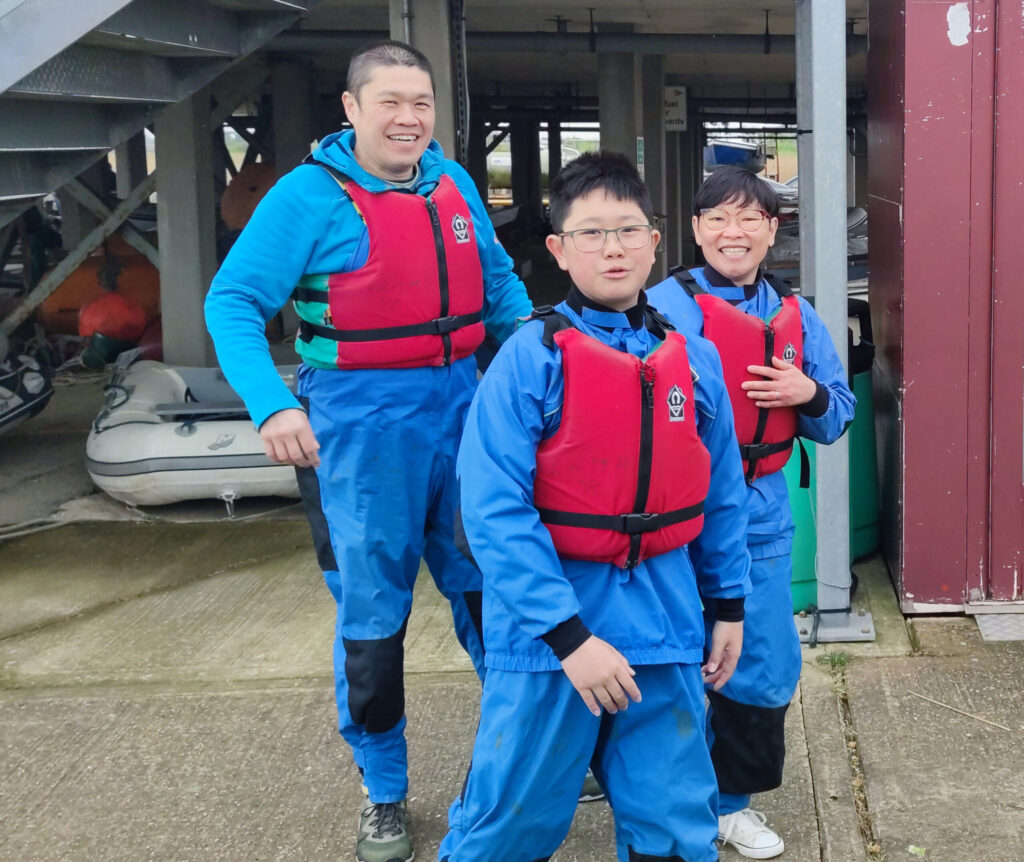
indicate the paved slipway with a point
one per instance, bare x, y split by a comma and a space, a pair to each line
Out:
165, 694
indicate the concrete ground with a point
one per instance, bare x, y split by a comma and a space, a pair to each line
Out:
165, 694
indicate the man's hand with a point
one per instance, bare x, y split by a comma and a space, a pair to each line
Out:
726, 643
786, 386
602, 676
288, 439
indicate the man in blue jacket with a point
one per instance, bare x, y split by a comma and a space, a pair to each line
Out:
391, 259
598, 445
785, 380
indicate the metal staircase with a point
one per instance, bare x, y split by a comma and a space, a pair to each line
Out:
77, 78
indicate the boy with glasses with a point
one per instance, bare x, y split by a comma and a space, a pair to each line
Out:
785, 380
598, 445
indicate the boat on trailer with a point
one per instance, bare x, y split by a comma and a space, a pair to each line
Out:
170, 433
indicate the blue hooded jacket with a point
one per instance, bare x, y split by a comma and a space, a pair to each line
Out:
306, 224
652, 614
771, 522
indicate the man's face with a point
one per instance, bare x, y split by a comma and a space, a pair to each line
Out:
734, 251
614, 275
393, 118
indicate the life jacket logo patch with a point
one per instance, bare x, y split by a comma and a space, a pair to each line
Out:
676, 405
327, 319
460, 227
789, 354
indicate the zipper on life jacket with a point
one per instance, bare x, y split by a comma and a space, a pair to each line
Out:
762, 412
442, 274
643, 473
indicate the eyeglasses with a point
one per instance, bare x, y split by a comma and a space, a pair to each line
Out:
748, 220
590, 239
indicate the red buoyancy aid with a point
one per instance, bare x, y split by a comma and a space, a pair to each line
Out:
765, 434
625, 476
418, 299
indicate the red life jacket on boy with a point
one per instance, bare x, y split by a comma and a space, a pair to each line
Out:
765, 434
418, 299
625, 475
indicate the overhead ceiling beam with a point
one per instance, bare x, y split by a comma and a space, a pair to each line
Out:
569, 43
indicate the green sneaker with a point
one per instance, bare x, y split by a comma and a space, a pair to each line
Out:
591, 791
383, 835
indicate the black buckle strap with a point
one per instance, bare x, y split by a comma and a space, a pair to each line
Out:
780, 285
554, 322
686, 280
755, 451
657, 323
631, 523
438, 326
309, 294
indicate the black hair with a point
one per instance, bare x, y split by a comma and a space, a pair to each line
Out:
386, 53
602, 169
731, 184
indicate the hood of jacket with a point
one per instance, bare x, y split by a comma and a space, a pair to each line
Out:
337, 150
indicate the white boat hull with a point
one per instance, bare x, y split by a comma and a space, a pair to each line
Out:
147, 448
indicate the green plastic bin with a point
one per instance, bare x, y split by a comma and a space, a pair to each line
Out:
864, 512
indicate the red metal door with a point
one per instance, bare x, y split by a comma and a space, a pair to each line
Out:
1007, 389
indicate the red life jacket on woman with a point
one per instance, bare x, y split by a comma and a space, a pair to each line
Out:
765, 434
625, 475
418, 299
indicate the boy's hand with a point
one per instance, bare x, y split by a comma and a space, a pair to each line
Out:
602, 676
726, 643
786, 386
288, 438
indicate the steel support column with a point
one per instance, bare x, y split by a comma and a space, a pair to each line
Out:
652, 88
616, 97
672, 240
477, 166
292, 113
425, 25
525, 148
186, 229
130, 163
691, 174
554, 149
822, 148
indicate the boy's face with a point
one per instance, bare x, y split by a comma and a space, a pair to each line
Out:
615, 274
733, 250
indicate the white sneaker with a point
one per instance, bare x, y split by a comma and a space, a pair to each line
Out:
746, 831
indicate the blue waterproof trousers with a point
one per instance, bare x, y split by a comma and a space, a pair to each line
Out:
388, 440
534, 744
746, 719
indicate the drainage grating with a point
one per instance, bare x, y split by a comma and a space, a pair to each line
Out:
1001, 627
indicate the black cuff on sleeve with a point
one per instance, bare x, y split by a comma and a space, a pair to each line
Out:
818, 404
565, 638
729, 610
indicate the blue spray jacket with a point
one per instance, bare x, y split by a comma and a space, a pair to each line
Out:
770, 521
652, 613
306, 224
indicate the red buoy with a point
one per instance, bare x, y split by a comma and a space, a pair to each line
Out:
113, 315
